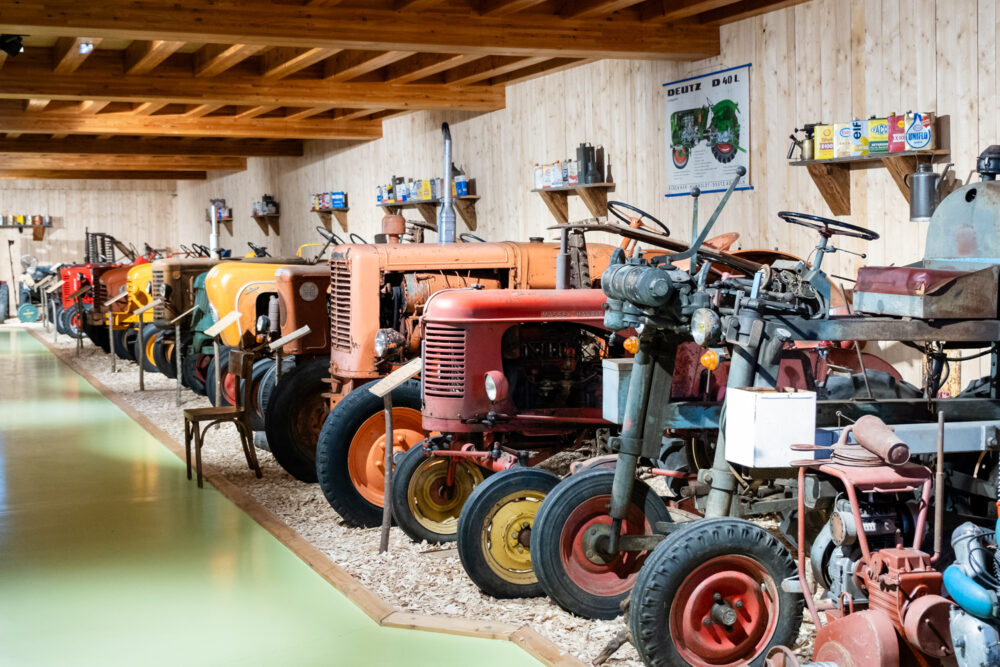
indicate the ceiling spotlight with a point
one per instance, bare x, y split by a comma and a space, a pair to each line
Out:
86, 47
11, 44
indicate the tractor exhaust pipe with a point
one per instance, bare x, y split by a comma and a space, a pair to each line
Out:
446, 215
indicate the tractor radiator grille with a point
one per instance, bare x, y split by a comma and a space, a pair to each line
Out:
100, 296
339, 305
444, 361
67, 290
160, 312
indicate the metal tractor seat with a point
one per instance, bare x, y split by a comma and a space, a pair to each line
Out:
959, 276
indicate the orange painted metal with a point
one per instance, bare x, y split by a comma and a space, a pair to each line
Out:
291, 282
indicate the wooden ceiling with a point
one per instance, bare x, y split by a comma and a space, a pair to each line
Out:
176, 88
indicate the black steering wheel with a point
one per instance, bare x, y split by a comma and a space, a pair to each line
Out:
827, 227
613, 207
466, 236
328, 236
203, 251
258, 250
356, 238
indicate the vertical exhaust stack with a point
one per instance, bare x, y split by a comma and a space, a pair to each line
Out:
446, 215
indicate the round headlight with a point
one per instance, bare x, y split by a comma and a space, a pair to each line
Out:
262, 324
491, 387
149, 288
706, 327
381, 343
495, 384
308, 291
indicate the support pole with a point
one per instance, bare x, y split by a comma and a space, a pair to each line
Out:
111, 342
218, 372
142, 356
177, 358
45, 310
387, 502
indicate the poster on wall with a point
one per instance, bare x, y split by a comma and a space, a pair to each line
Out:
708, 131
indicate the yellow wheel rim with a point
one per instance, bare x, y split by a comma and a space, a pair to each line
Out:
506, 538
432, 503
150, 344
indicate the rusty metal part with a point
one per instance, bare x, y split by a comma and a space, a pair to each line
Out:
861, 639
871, 433
926, 625
393, 226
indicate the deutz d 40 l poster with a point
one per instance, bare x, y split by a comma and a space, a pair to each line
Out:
708, 131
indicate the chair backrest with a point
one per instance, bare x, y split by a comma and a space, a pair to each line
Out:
241, 365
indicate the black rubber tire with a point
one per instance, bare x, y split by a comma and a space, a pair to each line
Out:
406, 466
150, 332
260, 369
547, 557
332, 450
4, 302
678, 556
164, 355
268, 383
292, 410
73, 320
119, 342
722, 156
210, 377
61, 321
477, 516
99, 336
189, 373
54, 309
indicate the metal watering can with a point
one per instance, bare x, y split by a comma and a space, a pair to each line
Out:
924, 185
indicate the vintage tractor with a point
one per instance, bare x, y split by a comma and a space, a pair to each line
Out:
948, 300
718, 124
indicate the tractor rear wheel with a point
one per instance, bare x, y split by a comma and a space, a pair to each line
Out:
144, 353
260, 369
98, 335
226, 379
165, 355
120, 343
494, 532
296, 412
194, 369
269, 383
710, 594
724, 152
351, 449
424, 504
571, 526
73, 319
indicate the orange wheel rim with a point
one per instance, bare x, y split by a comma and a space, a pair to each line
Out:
366, 454
150, 346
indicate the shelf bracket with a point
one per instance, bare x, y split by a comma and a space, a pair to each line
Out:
834, 183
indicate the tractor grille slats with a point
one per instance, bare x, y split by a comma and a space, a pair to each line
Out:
339, 305
100, 295
444, 361
160, 312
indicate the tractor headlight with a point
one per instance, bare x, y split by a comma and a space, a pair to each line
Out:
495, 384
381, 343
706, 327
263, 323
387, 342
149, 288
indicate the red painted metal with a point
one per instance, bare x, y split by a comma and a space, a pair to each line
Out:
734, 582
904, 280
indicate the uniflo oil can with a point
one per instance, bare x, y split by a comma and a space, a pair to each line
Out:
919, 131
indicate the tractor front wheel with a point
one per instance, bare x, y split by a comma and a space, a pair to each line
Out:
226, 379
144, 353
194, 368
680, 157
350, 453
165, 355
123, 340
724, 152
710, 595
494, 532
295, 415
570, 532
425, 504
74, 318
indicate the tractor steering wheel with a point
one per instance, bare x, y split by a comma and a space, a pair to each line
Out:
469, 238
827, 227
356, 238
328, 236
258, 250
613, 207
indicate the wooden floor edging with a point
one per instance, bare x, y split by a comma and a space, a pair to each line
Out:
379, 610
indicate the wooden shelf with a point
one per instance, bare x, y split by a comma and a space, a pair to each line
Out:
267, 222
465, 206
594, 195
37, 231
328, 214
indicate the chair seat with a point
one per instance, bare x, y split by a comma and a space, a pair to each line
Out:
201, 414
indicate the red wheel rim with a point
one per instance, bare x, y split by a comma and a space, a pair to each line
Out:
229, 388
201, 367
725, 148
680, 155
743, 585
602, 579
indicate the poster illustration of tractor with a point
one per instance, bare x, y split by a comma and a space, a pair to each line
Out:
709, 130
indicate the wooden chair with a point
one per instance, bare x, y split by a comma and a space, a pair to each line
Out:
240, 365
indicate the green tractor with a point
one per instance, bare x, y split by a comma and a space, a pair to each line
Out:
690, 127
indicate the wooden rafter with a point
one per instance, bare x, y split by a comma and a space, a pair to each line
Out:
147, 108
745, 9
92, 106
487, 68
142, 56
33, 143
214, 59
505, 7
35, 105
253, 112
349, 65
122, 162
226, 22
414, 5
424, 65
179, 125
546, 67
588, 9
70, 52
284, 61
64, 174
23, 80
302, 114
199, 110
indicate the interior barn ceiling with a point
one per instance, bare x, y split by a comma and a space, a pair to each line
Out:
129, 87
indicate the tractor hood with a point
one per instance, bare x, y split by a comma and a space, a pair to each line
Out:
463, 305
237, 286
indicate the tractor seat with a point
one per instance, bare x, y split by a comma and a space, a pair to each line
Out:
926, 293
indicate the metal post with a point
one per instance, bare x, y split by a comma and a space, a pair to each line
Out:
218, 373
177, 358
79, 339
142, 357
111, 341
45, 310
387, 495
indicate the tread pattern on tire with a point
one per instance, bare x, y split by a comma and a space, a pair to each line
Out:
669, 563
305, 377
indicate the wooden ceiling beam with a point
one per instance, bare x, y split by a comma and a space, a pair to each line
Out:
591, 9
142, 56
93, 106
662, 11
505, 7
282, 61
179, 125
424, 65
253, 112
487, 68
546, 67
122, 162
743, 10
302, 114
414, 5
33, 143
348, 65
70, 52
255, 22
89, 174
199, 110
214, 59
147, 108
35, 105
26, 81
3, 59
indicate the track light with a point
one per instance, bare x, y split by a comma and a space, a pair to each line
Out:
86, 47
11, 44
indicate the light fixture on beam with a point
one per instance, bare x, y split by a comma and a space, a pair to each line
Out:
11, 44
86, 47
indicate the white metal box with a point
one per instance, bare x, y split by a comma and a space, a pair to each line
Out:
616, 373
763, 424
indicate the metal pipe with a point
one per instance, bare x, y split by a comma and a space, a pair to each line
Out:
939, 489
562, 261
446, 215
690, 252
213, 239
387, 463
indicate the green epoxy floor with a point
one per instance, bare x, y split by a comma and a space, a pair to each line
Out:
109, 556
